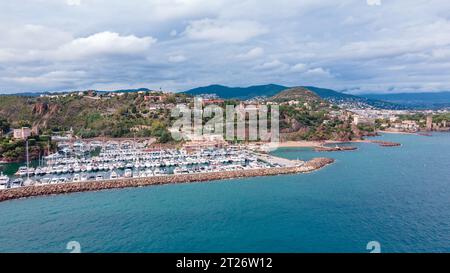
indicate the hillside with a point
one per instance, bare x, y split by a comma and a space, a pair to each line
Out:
131, 114
243, 93
271, 90
296, 93
117, 116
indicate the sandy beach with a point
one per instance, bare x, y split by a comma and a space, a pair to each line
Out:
309, 144
302, 143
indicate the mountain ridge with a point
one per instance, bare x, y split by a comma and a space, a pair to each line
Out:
271, 90
227, 92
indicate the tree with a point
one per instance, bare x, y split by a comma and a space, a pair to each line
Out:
4, 125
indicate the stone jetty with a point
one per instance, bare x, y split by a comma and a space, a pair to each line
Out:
63, 188
334, 149
386, 143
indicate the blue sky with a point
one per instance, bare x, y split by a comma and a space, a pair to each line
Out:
355, 45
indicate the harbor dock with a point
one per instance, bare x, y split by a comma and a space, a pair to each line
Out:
71, 187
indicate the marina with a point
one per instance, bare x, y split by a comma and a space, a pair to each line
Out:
124, 182
110, 162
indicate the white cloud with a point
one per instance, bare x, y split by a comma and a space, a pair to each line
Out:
300, 67
271, 65
405, 46
104, 43
49, 78
73, 2
31, 37
236, 31
374, 2
177, 58
252, 53
318, 72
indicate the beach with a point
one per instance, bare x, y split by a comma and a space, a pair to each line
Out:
301, 143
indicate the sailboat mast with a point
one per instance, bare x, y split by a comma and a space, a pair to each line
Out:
28, 161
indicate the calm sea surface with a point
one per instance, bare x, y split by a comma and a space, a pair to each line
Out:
398, 196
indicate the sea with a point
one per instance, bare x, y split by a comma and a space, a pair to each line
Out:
396, 198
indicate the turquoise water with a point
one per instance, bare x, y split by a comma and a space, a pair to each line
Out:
397, 196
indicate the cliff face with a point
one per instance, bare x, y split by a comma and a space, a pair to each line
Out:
294, 125
40, 108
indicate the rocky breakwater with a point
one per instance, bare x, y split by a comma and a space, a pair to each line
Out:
63, 188
386, 143
334, 149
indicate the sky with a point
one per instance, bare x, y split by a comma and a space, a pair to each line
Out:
356, 46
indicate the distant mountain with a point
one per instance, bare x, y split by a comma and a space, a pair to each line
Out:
25, 94
127, 90
416, 100
331, 94
339, 97
37, 94
271, 90
226, 92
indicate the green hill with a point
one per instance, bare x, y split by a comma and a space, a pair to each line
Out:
271, 90
243, 93
296, 93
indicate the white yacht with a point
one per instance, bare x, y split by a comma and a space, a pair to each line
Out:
16, 183
4, 180
22, 171
45, 181
128, 173
113, 175
76, 178
84, 177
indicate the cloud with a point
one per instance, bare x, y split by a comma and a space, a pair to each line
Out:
374, 2
252, 53
318, 72
232, 42
300, 67
104, 43
73, 2
177, 58
236, 31
271, 65
31, 37
50, 78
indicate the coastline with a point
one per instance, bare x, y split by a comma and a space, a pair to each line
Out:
43, 190
320, 144
398, 132
301, 144
312, 144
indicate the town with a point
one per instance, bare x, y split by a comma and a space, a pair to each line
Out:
124, 135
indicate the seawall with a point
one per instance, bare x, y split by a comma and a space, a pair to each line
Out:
63, 188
